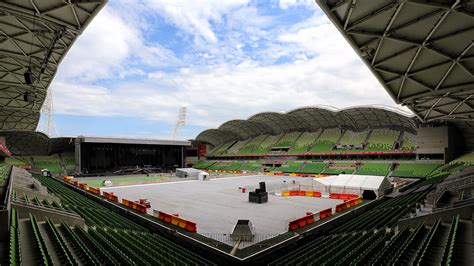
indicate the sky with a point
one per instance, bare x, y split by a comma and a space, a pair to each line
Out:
139, 62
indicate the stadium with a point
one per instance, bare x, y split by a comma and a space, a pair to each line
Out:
360, 185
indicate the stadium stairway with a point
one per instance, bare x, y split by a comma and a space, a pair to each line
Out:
442, 243
37, 237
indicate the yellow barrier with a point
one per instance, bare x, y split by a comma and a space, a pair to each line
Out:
174, 220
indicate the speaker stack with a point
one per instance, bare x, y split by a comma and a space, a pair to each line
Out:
260, 195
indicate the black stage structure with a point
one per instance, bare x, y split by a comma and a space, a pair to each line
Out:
94, 155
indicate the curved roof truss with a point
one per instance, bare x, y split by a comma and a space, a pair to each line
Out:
35, 35
310, 119
421, 51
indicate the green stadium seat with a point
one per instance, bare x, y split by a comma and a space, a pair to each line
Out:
415, 169
408, 141
252, 144
382, 140
353, 138
304, 142
267, 143
378, 169
326, 140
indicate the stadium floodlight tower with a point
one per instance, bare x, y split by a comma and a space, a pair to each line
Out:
180, 122
47, 112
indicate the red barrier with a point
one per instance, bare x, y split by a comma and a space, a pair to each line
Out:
127, 203
348, 204
325, 213
139, 207
177, 221
94, 190
309, 219
340, 207
342, 196
134, 205
191, 227
302, 222
292, 226
110, 196
307, 193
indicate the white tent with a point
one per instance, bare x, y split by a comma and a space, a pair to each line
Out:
189, 172
352, 184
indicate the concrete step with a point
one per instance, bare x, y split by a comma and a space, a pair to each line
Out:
464, 247
74, 252
29, 253
49, 243
434, 253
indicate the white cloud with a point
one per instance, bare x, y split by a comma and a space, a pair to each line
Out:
195, 17
106, 45
103, 45
285, 4
219, 83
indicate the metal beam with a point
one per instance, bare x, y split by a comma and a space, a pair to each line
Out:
349, 13
386, 31
441, 91
372, 14
459, 104
26, 13
454, 62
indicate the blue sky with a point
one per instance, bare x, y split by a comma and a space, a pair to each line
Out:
138, 62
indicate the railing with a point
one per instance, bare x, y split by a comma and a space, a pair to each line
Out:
228, 240
24, 202
455, 183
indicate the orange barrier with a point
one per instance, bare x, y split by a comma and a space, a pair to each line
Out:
325, 213
308, 219
342, 196
83, 186
347, 204
75, 183
176, 220
340, 207
307, 193
94, 190
134, 205
110, 196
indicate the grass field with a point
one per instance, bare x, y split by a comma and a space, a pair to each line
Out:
122, 180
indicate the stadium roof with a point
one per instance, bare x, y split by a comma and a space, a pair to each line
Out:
26, 143
35, 35
421, 51
34, 143
310, 119
134, 141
